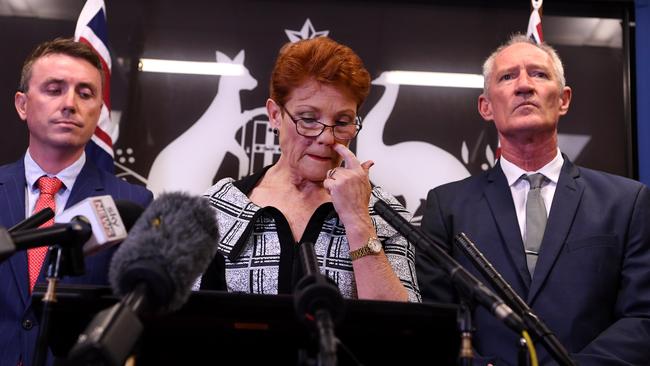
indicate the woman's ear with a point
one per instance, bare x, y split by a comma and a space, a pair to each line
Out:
275, 113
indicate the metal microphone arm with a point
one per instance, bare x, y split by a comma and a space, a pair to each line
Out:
467, 284
533, 323
318, 302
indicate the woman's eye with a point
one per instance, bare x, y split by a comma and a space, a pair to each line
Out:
309, 120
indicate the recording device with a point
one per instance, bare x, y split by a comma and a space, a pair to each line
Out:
533, 323
168, 248
103, 216
98, 222
33, 221
319, 304
70, 234
93, 223
468, 285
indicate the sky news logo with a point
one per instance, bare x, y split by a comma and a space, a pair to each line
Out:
108, 216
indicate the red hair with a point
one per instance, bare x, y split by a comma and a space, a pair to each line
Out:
323, 60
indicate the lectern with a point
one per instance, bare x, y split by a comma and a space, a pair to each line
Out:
220, 328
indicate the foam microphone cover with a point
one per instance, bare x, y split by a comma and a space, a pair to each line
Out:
168, 248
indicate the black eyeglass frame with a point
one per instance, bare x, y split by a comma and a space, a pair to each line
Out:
357, 123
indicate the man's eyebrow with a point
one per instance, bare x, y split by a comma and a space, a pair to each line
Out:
88, 85
538, 66
506, 69
52, 81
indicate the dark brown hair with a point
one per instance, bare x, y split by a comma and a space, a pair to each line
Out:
63, 46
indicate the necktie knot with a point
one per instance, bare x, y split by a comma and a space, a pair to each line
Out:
536, 180
49, 185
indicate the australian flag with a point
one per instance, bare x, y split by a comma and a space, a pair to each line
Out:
92, 30
534, 31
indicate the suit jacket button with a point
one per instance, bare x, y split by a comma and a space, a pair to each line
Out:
28, 324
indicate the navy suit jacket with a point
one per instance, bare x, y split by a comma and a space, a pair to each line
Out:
18, 323
592, 281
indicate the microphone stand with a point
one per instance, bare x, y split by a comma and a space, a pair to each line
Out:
522, 352
532, 322
466, 328
318, 303
468, 286
62, 260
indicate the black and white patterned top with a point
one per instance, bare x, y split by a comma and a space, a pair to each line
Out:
261, 256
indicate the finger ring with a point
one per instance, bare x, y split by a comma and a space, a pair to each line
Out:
330, 175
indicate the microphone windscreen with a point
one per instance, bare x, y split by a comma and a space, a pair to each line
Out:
168, 248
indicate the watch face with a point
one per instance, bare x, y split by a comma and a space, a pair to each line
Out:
374, 245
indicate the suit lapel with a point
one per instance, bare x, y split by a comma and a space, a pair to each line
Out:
499, 197
563, 209
12, 189
88, 184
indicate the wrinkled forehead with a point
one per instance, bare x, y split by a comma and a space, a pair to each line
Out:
66, 68
312, 90
522, 54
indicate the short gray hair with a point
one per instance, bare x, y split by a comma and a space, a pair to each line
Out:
520, 38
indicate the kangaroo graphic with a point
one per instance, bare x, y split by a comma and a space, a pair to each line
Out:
190, 162
409, 168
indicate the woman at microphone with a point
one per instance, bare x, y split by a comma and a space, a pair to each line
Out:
317, 192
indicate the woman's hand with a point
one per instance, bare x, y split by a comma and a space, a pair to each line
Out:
350, 190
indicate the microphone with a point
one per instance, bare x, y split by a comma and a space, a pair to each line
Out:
73, 233
318, 302
533, 323
7, 245
467, 284
102, 213
34, 221
95, 221
169, 247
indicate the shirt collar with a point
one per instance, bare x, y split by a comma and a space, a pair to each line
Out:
551, 170
68, 175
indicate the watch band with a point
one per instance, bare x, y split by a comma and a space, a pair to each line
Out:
372, 246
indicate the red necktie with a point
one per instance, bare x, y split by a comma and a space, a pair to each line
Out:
35, 256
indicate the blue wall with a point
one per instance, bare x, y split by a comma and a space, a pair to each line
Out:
643, 87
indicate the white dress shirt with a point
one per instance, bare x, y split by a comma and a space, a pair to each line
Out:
520, 187
68, 176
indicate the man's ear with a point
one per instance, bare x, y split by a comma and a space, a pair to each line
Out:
20, 101
485, 107
275, 113
565, 100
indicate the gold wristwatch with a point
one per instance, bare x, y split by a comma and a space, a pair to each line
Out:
373, 246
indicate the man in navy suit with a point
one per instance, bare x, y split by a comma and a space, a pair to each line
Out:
60, 99
589, 280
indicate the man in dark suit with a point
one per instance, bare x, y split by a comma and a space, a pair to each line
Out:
575, 246
60, 99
